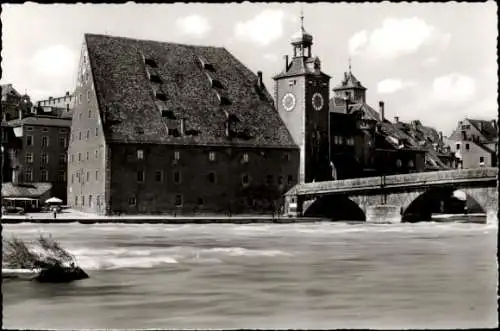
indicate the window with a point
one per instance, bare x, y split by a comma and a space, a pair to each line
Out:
245, 180
140, 154
62, 142
79, 156
87, 155
29, 128
83, 200
88, 100
481, 159
72, 157
97, 175
132, 201
88, 176
44, 159
177, 155
280, 180
98, 200
178, 200
150, 62
410, 164
63, 130
45, 129
467, 147
72, 178
76, 200
458, 146
88, 134
177, 177
44, 175
211, 156
398, 163
45, 141
90, 200
290, 179
78, 176
211, 178
96, 132
80, 135
245, 157
79, 116
80, 102
29, 158
337, 140
269, 179
158, 176
200, 201
140, 176
28, 175
350, 141
286, 156
29, 140
61, 176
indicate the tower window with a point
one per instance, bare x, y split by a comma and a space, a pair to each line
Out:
211, 156
158, 176
132, 201
245, 158
140, 176
177, 177
211, 178
140, 154
458, 146
178, 200
177, 155
245, 180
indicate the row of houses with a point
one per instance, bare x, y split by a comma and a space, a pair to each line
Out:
156, 127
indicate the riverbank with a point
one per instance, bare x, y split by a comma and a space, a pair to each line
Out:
72, 216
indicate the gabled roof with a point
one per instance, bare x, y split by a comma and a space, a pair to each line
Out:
9, 89
349, 82
131, 112
337, 105
28, 190
487, 129
41, 120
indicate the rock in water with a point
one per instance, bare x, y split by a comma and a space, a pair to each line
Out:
61, 274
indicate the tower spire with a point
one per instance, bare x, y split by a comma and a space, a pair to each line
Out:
349, 64
302, 18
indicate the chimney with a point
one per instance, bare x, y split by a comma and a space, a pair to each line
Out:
259, 82
286, 63
382, 111
396, 119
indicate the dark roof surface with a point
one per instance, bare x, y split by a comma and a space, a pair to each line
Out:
487, 129
31, 190
337, 105
131, 112
349, 82
41, 120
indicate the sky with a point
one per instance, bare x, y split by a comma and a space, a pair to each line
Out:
427, 61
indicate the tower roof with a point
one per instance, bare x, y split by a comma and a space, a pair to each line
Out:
302, 36
349, 81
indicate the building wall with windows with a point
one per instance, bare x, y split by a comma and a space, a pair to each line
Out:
471, 154
39, 152
65, 102
191, 179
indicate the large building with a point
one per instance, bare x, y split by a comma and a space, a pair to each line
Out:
14, 104
34, 151
161, 127
475, 143
60, 106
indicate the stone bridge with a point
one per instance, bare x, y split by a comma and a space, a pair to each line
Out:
411, 194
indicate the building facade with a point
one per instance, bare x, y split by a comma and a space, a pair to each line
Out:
35, 152
169, 128
14, 104
59, 106
475, 143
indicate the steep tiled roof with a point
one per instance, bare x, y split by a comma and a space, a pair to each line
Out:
487, 129
349, 81
41, 120
31, 190
131, 113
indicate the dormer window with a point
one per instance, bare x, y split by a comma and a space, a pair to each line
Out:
139, 130
155, 78
224, 101
168, 114
205, 64
150, 62
160, 96
214, 82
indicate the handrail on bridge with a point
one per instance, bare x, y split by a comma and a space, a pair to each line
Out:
421, 177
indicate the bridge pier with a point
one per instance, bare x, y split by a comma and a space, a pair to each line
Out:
383, 214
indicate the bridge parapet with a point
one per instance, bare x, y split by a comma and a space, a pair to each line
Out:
394, 180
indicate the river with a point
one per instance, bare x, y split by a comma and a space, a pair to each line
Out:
318, 275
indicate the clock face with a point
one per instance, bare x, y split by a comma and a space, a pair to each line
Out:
317, 101
288, 101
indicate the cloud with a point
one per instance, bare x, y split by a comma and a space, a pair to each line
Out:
453, 87
391, 85
57, 60
395, 38
429, 61
270, 57
194, 25
263, 28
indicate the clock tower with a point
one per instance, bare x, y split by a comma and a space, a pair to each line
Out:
302, 94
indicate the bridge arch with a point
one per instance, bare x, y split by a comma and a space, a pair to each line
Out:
335, 207
421, 205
